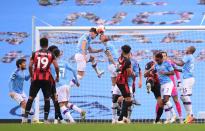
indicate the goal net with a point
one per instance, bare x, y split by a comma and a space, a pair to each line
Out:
94, 94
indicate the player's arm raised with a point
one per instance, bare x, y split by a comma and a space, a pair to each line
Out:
178, 62
94, 50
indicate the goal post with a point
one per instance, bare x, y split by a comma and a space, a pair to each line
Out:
94, 94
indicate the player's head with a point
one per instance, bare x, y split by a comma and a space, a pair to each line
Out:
190, 50
21, 63
154, 54
126, 50
44, 42
159, 58
164, 54
104, 38
93, 33
56, 52
52, 47
149, 65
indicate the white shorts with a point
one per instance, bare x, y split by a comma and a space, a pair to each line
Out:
63, 93
116, 91
18, 97
112, 70
81, 63
130, 88
166, 89
187, 86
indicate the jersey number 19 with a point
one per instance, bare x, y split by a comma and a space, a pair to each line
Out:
42, 61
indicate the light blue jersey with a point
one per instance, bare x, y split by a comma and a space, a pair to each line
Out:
164, 67
16, 81
84, 37
136, 69
109, 46
188, 68
64, 67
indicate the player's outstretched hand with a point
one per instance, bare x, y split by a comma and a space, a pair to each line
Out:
179, 85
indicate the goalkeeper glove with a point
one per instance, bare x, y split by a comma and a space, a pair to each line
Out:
179, 85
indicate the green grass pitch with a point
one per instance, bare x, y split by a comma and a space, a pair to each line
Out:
102, 127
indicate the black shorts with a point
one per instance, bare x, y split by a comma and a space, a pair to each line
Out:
44, 85
125, 91
156, 90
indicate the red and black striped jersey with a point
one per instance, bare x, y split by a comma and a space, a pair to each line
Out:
122, 77
42, 60
153, 74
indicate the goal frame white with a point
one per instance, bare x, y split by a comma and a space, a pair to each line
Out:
36, 37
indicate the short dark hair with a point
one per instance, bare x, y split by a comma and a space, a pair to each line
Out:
56, 52
164, 52
126, 49
20, 61
52, 47
159, 55
192, 49
43, 42
93, 30
154, 52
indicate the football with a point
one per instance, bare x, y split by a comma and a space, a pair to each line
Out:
100, 29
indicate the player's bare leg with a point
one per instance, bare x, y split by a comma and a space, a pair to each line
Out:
115, 107
94, 65
127, 102
159, 111
178, 107
57, 110
188, 108
27, 109
23, 107
173, 115
115, 100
